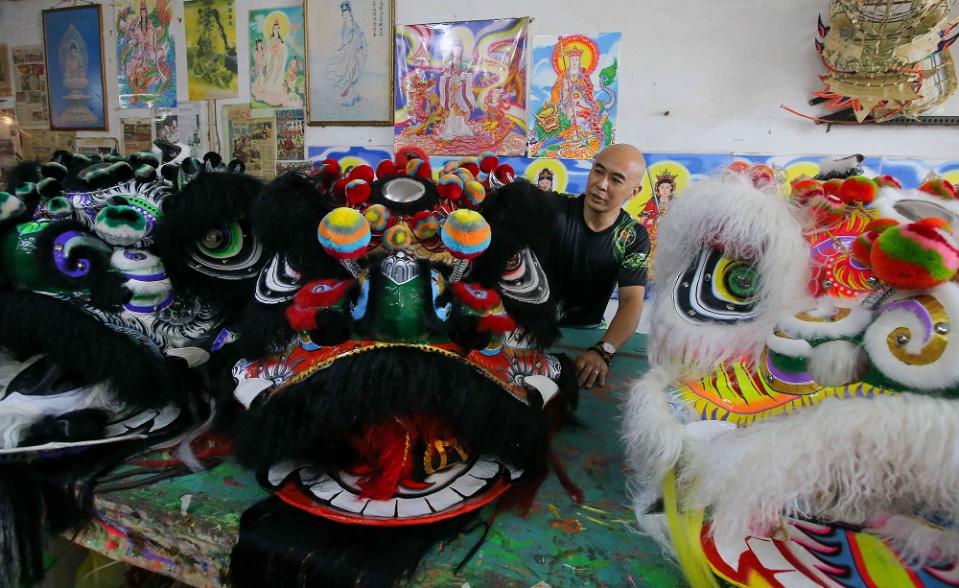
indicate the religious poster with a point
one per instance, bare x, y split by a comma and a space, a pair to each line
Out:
72, 39
6, 72
573, 95
251, 139
211, 60
40, 144
350, 47
289, 134
182, 124
461, 87
277, 68
146, 59
30, 82
137, 135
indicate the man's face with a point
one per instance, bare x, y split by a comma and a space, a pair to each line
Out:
612, 181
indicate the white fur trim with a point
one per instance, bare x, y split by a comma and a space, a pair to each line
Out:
907, 206
917, 541
149, 263
749, 223
837, 363
844, 460
121, 235
852, 324
940, 374
11, 206
787, 346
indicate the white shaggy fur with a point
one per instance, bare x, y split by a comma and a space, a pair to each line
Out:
907, 206
940, 374
653, 436
837, 363
844, 460
854, 323
749, 224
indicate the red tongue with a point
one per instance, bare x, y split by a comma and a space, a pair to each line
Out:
387, 458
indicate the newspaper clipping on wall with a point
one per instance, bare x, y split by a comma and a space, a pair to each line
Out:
137, 135
251, 138
30, 81
40, 144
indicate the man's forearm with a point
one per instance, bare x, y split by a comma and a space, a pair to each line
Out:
625, 321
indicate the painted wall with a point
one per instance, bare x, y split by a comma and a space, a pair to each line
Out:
697, 75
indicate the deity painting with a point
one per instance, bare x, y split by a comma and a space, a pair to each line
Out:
277, 67
573, 95
73, 44
350, 47
6, 73
462, 87
146, 62
210, 27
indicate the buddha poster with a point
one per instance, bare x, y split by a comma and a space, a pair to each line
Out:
73, 45
573, 95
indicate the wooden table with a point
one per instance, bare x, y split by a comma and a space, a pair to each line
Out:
185, 527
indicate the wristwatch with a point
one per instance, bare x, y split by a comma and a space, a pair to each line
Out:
605, 349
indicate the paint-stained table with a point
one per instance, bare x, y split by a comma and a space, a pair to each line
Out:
185, 527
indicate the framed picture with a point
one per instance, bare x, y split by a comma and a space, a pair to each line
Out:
349, 48
73, 42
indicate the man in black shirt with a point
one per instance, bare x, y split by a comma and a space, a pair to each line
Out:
596, 246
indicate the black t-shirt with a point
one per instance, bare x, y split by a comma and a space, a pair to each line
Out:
586, 265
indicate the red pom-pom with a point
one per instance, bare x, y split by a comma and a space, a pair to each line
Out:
888, 181
805, 189
339, 188
361, 172
472, 167
488, 163
385, 169
357, 192
450, 191
827, 209
939, 187
419, 168
505, 174
862, 246
738, 167
327, 169
832, 186
858, 189
406, 153
932, 222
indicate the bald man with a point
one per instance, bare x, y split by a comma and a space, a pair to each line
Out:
597, 246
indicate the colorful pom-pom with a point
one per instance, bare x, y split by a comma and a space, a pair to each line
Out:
762, 175
405, 153
805, 189
357, 191
397, 237
419, 168
385, 169
339, 188
450, 186
344, 233
858, 189
471, 167
914, 256
464, 174
862, 246
466, 234
888, 181
737, 167
939, 187
425, 225
477, 297
827, 208
474, 193
378, 216
327, 169
361, 172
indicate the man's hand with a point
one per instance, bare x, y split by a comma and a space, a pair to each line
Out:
591, 369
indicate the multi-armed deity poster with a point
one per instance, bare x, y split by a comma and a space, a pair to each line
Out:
573, 94
146, 57
461, 87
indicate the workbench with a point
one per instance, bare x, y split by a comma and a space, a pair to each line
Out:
185, 527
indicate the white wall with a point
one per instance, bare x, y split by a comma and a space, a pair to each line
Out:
720, 68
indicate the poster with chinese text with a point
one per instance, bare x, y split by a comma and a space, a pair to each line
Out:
137, 135
461, 87
211, 59
30, 81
